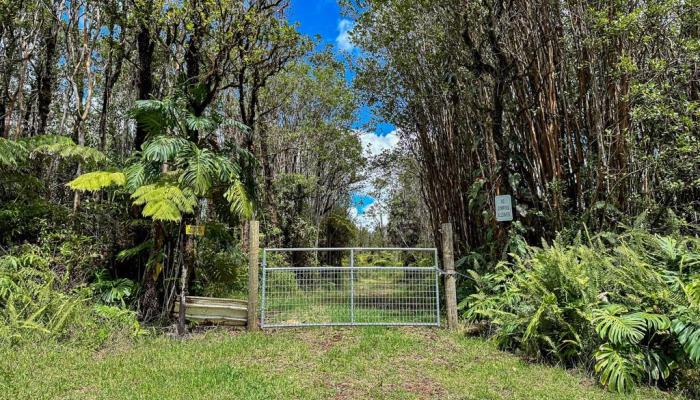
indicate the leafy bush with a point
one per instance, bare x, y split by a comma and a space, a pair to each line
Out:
625, 306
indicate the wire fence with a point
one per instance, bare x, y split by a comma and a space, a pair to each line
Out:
350, 294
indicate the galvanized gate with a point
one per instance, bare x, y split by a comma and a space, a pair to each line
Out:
350, 294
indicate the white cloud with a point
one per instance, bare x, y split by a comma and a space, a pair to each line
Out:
375, 144
343, 40
369, 219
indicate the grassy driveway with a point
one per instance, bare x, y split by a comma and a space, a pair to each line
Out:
361, 363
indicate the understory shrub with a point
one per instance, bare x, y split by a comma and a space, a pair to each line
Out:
36, 303
623, 306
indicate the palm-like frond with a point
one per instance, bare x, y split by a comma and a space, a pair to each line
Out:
159, 116
141, 173
201, 123
94, 181
163, 148
616, 328
201, 169
164, 201
688, 334
617, 371
240, 200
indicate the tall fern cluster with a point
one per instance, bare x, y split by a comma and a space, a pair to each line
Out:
626, 306
35, 304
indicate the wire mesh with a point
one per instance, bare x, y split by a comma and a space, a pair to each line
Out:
349, 295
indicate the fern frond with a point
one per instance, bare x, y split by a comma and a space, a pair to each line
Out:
692, 292
164, 202
71, 151
241, 202
134, 251
94, 181
11, 152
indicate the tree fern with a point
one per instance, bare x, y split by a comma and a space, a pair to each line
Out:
70, 150
164, 202
94, 181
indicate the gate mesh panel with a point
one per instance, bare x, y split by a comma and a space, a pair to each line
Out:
310, 296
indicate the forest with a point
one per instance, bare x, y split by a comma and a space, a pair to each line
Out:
125, 123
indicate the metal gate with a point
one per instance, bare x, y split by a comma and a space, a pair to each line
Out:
350, 294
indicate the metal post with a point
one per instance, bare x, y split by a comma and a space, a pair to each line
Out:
264, 282
352, 286
437, 288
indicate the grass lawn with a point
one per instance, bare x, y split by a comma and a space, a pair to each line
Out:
359, 363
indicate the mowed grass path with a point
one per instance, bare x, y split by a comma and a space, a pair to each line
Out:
361, 363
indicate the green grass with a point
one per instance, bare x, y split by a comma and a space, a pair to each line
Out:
359, 363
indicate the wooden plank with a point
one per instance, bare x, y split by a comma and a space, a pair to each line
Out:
213, 311
218, 320
214, 300
448, 263
253, 323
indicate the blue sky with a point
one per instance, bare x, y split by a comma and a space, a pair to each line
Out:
323, 18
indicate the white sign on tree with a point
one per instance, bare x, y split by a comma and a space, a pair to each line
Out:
504, 208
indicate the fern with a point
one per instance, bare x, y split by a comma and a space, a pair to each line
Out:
11, 152
94, 181
692, 292
70, 150
239, 199
164, 202
617, 371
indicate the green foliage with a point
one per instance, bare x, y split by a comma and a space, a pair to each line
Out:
625, 301
70, 150
11, 152
34, 303
164, 202
168, 193
113, 291
94, 181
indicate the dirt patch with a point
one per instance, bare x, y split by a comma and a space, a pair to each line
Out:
321, 341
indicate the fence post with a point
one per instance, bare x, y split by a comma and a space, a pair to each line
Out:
253, 275
352, 286
448, 263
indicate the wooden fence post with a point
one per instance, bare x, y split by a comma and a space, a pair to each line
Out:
448, 264
253, 270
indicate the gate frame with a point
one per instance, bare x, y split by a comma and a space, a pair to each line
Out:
352, 268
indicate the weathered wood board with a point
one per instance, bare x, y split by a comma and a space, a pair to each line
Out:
215, 310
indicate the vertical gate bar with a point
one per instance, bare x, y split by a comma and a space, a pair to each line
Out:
352, 286
437, 288
264, 281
